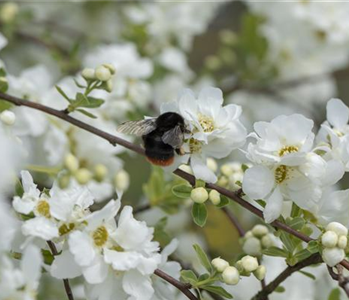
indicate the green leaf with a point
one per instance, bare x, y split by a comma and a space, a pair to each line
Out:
200, 183
218, 291
93, 102
335, 294
199, 213
224, 201
288, 241
79, 84
4, 105
160, 234
297, 223
203, 258
81, 100
48, 257
311, 276
86, 113
244, 167
280, 289
301, 255
2, 72
59, 89
182, 191
189, 277
3, 84
19, 190
296, 211
313, 247
261, 202
203, 277
274, 251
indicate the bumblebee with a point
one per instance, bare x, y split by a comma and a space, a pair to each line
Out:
162, 136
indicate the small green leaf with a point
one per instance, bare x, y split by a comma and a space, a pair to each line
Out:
301, 255
200, 183
48, 257
311, 276
296, 211
203, 258
81, 100
224, 201
287, 241
86, 113
261, 202
218, 291
3, 84
313, 247
63, 93
280, 289
244, 167
199, 213
182, 191
297, 223
79, 84
189, 277
19, 190
335, 294
203, 277
274, 251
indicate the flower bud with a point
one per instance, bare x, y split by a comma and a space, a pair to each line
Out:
239, 266
83, 176
248, 234
102, 73
227, 170
8, 12
333, 256
212, 165
342, 242
215, 197
220, 264
8, 117
267, 241
329, 239
252, 246
109, 86
63, 181
231, 276
110, 67
199, 195
71, 163
88, 74
100, 172
337, 228
249, 263
186, 168
260, 230
223, 181
122, 180
260, 272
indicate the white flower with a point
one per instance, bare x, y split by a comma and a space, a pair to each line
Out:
338, 228
333, 256
216, 130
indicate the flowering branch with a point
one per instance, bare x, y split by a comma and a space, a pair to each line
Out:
67, 287
268, 289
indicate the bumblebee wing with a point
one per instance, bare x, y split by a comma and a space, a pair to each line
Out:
138, 128
173, 137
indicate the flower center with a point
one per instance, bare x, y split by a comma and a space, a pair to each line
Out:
206, 123
194, 146
288, 149
280, 174
43, 208
100, 236
338, 133
66, 228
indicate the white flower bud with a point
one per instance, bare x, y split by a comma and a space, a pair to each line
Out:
186, 168
223, 181
122, 180
333, 256
248, 234
220, 264
110, 67
249, 263
83, 176
215, 197
102, 73
260, 272
227, 170
100, 172
231, 276
8, 12
252, 246
71, 163
337, 228
329, 239
8, 117
342, 242
109, 86
267, 241
199, 195
88, 74
260, 230
212, 165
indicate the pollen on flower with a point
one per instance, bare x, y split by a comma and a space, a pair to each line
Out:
100, 236
288, 149
206, 123
117, 248
194, 146
43, 209
66, 228
338, 133
280, 174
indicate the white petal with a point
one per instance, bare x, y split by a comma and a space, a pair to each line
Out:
31, 264
107, 213
97, 271
122, 261
201, 171
137, 285
64, 266
258, 182
334, 172
148, 265
27, 181
210, 101
40, 227
274, 206
23, 206
81, 246
187, 105
337, 113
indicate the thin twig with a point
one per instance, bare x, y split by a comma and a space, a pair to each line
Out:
67, 287
183, 287
311, 260
114, 140
343, 281
233, 219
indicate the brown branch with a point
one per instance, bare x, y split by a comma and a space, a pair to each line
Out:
268, 289
114, 140
184, 288
343, 281
233, 219
67, 287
